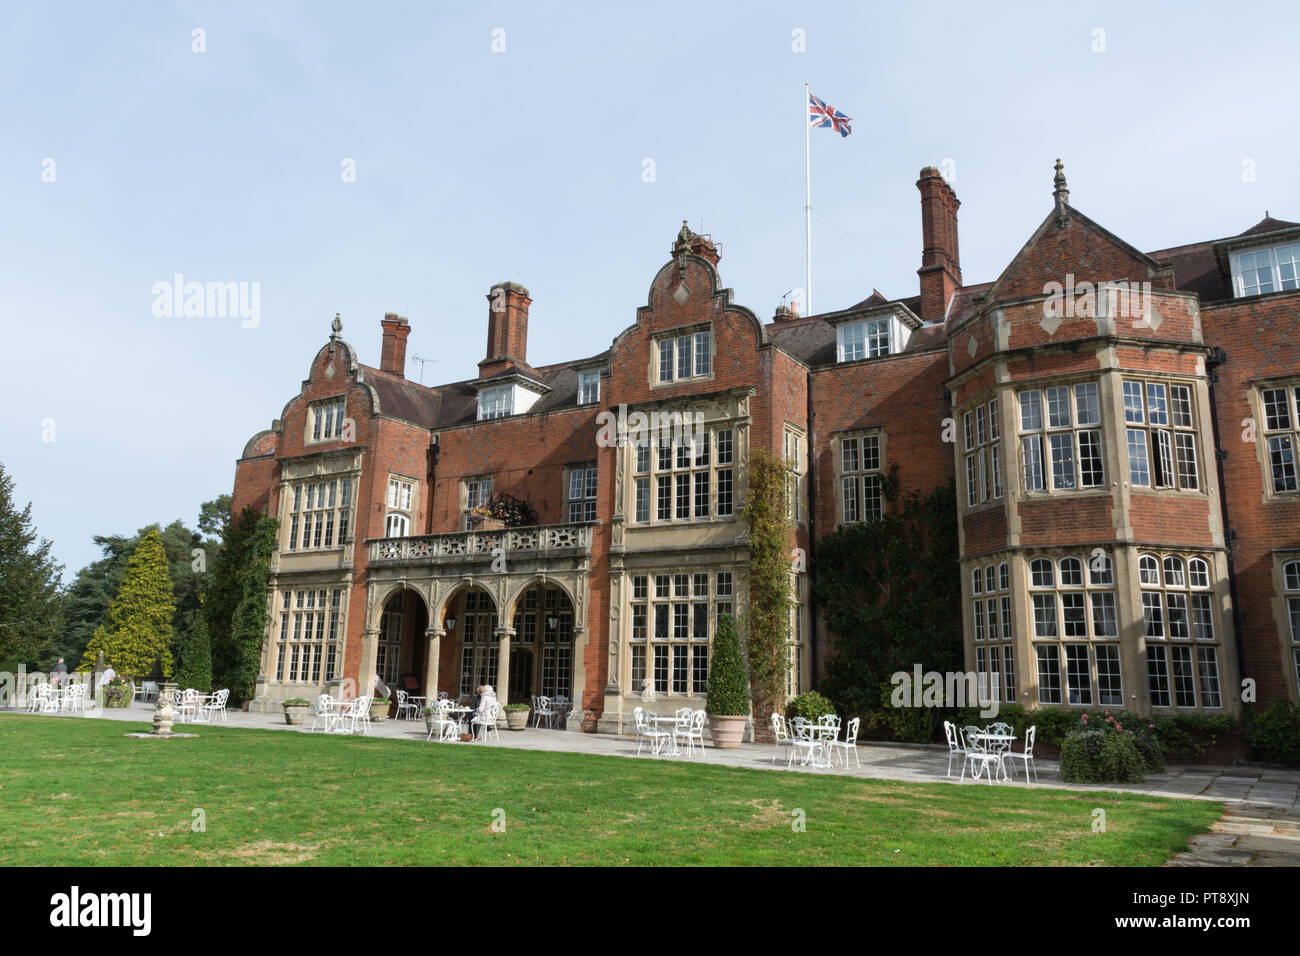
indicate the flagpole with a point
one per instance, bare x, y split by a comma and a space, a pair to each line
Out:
807, 203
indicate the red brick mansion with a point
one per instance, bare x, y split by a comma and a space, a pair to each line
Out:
1121, 427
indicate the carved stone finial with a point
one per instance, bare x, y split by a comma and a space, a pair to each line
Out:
685, 234
336, 326
1061, 194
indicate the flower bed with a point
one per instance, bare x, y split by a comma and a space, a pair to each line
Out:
1102, 751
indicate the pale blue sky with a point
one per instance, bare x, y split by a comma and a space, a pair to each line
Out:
474, 167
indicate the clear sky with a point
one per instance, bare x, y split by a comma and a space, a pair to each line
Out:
474, 166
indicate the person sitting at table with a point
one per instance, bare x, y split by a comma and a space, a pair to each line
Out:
487, 693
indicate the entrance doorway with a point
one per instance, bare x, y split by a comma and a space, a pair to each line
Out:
521, 674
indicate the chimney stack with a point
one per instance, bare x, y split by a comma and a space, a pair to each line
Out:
940, 270
785, 313
392, 353
507, 340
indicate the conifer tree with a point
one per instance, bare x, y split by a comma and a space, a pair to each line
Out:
139, 628
30, 608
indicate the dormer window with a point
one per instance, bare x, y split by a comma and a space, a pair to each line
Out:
1273, 269
860, 340
495, 402
589, 387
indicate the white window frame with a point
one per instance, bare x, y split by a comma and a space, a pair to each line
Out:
327, 419
589, 387
855, 341
495, 402
1283, 268
1040, 443
1280, 438
689, 353
855, 482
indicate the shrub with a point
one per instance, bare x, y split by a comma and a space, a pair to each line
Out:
296, 702
1100, 752
1274, 734
516, 707
728, 682
1149, 748
810, 706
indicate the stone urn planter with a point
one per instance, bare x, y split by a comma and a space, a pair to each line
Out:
517, 717
429, 717
727, 731
379, 708
296, 710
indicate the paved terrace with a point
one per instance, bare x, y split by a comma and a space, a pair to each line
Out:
1260, 828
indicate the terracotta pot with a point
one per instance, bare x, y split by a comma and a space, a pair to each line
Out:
517, 719
727, 731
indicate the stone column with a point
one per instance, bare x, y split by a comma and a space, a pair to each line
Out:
432, 660
369, 657
503, 664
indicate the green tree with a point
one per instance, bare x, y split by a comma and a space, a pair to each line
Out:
235, 600
30, 605
767, 621
86, 600
224, 591
890, 590
196, 671
138, 632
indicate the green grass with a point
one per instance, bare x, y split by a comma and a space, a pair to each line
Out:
78, 792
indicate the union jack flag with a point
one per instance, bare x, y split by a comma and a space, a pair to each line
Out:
821, 116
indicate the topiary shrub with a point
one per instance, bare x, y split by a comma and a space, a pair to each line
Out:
810, 706
1103, 752
1274, 735
728, 680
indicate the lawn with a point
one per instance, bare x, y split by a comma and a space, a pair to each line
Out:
78, 792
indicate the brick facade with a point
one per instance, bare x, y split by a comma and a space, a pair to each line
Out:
1024, 391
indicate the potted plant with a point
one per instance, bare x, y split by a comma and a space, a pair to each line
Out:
379, 708
117, 693
517, 716
295, 709
728, 701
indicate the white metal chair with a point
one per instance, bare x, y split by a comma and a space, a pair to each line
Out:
444, 725
648, 730
978, 755
638, 718
955, 748
187, 705
692, 731
542, 708
216, 704
849, 743
325, 710
485, 721
1027, 756
405, 706
780, 736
